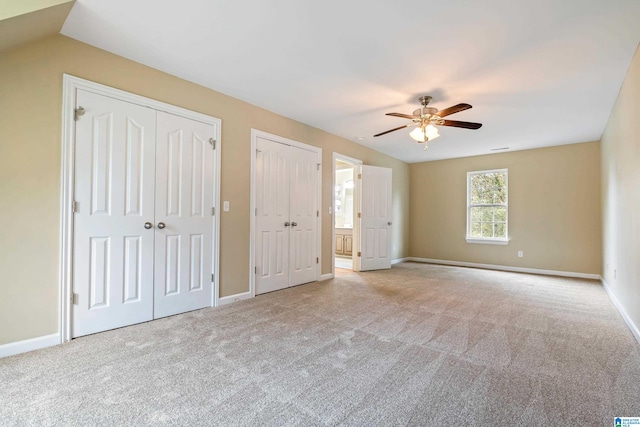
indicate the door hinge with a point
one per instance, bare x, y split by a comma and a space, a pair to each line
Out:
74, 298
359, 253
255, 270
78, 112
74, 206
257, 151
213, 277
256, 212
317, 260
212, 142
213, 211
359, 214
318, 214
318, 166
359, 176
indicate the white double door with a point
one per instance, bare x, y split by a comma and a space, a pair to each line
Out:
143, 224
286, 215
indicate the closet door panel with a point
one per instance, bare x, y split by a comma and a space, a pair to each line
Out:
272, 177
114, 194
184, 221
303, 206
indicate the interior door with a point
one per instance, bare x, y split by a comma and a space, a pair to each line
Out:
286, 215
183, 215
114, 195
272, 177
375, 228
303, 213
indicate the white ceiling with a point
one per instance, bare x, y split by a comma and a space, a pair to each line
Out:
537, 73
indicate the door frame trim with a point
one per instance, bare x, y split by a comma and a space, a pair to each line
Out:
356, 163
70, 85
255, 133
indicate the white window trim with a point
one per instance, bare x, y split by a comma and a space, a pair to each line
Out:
486, 240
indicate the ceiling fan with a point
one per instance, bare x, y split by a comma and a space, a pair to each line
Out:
427, 118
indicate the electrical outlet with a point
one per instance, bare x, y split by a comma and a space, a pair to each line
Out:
520, 254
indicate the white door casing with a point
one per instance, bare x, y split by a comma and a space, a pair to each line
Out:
375, 222
114, 194
286, 215
183, 215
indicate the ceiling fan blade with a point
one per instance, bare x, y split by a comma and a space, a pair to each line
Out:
395, 129
453, 110
466, 125
405, 116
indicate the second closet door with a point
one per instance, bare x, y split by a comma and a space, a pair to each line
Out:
286, 216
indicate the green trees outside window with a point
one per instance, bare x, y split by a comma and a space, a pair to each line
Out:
487, 205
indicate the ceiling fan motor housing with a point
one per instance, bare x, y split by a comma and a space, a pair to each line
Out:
424, 111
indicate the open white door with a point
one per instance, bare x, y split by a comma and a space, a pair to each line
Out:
375, 223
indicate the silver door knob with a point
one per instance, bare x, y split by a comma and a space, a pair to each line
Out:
389, 223
286, 224
148, 225
294, 224
161, 225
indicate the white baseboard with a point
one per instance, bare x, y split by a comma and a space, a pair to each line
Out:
234, 298
324, 277
634, 328
399, 260
508, 268
18, 347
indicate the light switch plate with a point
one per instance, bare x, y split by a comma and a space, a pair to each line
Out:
225, 206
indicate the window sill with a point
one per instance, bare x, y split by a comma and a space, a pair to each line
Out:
488, 241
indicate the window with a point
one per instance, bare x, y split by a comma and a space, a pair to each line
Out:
487, 207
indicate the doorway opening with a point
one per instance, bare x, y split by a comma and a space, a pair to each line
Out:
345, 208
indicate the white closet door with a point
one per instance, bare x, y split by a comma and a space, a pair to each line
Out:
375, 227
183, 214
114, 194
272, 179
304, 217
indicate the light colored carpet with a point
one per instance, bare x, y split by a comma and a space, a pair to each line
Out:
418, 345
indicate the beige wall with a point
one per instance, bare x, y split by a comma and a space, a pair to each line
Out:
12, 8
30, 150
554, 209
621, 196
29, 20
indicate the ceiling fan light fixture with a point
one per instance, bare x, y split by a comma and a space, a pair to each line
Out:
429, 133
418, 135
432, 132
